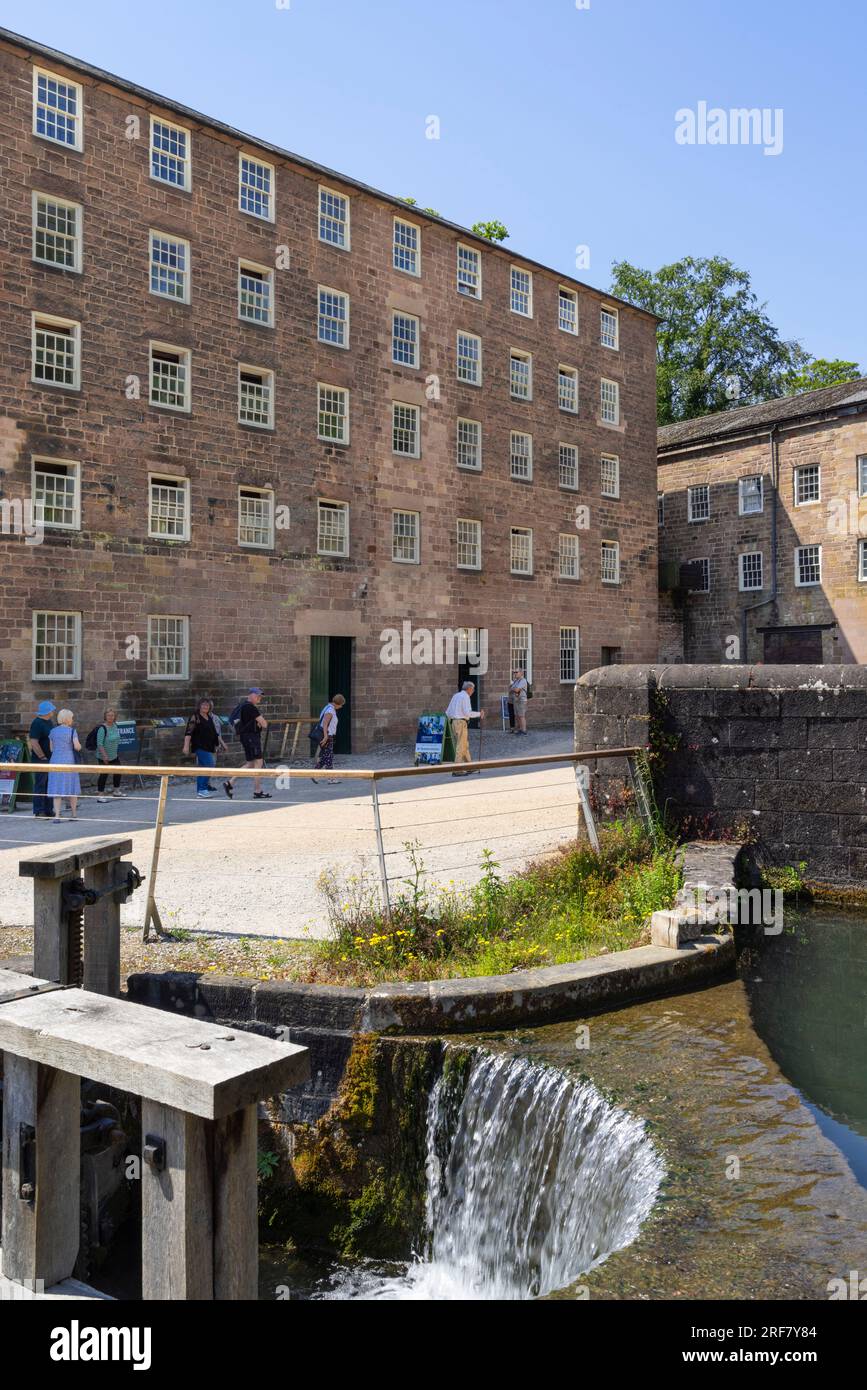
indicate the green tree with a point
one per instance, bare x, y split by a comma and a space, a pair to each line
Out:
813, 373
716, 347
413, 203
492, 231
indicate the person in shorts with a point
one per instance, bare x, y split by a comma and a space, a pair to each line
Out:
250, 725
518, 695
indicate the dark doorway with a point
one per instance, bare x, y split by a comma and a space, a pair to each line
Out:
331, 674
468, 673
790, 646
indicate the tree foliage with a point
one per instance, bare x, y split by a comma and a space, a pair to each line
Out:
492, 231
716, 347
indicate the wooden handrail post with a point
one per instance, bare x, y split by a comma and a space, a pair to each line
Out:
152, 913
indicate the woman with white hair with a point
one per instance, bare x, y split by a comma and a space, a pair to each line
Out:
64, 785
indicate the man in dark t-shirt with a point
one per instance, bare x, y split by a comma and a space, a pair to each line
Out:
250, 724
39, 739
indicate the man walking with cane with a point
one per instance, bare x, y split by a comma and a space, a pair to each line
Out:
459, 712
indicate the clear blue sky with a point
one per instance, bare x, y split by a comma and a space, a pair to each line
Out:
560, 122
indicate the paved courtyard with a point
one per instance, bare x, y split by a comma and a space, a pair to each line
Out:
243, 868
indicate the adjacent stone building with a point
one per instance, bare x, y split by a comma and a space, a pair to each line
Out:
763, 531
256, 414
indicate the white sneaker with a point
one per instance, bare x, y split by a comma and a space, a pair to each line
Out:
119, 794
206, 796
102, 798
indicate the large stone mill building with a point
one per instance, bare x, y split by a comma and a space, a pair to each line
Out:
258, 413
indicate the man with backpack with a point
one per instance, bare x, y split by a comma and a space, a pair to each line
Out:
249, 724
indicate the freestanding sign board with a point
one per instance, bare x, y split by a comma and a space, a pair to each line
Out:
433, 740
12, 750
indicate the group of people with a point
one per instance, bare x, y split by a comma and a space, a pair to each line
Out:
53, 738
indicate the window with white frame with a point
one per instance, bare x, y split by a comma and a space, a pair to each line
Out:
168, 647
170, 267
256, 187
405, 253
862, 561
256, 517
469, 272
567, 311
520, 375
256, 397
333, 414
862, 475
168, 508
751, 567
610, 472
56, 352
610, 562
567, 389
568, 655
56, 646
255, 293
522, 292
469, 444
751, 497
521, 550
698, 502
660, 509
333, 218
405, 429
333, 317
58, 109
404, 339
170, 153
469, 544
57, 232
521, 455
609, 328
569, 467
405, 537
703, 584
332, 530
169, 377
56, 491
610, 402
808, 484
568, 556
469, 359
521, 650
808, 565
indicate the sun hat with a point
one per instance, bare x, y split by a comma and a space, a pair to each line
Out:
46, 707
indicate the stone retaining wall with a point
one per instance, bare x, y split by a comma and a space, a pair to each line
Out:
778, 751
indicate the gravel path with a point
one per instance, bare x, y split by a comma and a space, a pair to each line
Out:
243, 868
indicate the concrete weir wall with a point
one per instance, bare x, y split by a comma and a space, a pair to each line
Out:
781, 749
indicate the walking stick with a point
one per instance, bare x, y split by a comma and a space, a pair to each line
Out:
481, 733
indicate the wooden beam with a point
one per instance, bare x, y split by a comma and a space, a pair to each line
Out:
41, 1122
177, 1206
60, 863
16, 985
182, 1062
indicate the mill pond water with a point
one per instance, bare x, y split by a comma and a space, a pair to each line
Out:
707, 1145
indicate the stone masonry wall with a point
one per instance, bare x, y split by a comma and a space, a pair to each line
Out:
779, 752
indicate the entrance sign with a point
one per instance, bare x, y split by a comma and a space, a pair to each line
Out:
12, 750
433, 740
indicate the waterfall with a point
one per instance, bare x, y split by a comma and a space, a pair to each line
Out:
533, 1178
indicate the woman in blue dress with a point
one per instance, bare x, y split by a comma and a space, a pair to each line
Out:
64, 785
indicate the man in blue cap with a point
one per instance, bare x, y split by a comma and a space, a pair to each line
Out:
39, 737
250, 723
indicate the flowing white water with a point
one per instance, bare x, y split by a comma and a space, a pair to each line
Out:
532, 1179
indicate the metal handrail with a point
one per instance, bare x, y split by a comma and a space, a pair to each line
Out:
371, 774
